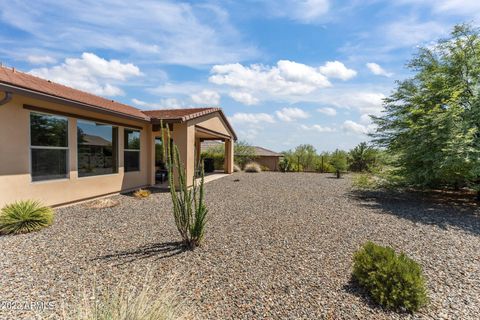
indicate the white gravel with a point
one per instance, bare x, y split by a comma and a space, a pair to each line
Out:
277, 246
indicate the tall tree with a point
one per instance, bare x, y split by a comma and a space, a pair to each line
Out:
362, 158
431, 122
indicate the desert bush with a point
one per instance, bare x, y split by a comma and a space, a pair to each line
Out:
365, 181
338, 160
285, 165
264, 168
252, 167
236, 168
394, 281
25, 216
128, 303
142, 194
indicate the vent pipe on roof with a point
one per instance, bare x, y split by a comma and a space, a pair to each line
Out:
7, 98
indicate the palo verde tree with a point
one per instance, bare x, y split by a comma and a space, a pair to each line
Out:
431, 122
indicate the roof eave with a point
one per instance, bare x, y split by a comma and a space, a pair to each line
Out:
55, 99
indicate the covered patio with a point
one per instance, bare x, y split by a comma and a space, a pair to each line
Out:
188, 129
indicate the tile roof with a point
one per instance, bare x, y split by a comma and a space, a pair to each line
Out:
262, 152
23, 80
17, 81
180, 114
259, 151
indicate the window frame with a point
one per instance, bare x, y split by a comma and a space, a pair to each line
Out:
118, 149
30, 148
132, 150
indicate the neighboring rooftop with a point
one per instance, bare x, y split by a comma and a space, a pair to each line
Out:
259, 151
13, 77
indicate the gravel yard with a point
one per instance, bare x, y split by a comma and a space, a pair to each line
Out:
277, 246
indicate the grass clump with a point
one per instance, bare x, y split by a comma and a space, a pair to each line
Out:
103, 203
25, 216
236, 168
394, 281
129, 303
142, 194
253, 167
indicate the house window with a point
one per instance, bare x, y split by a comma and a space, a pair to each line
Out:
132, 150
48, 147
97, 149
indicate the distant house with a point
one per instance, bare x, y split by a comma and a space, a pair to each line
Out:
266, 158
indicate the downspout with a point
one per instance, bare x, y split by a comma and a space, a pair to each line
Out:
7, 98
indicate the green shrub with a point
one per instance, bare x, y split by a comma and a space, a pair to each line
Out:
394, 281
25, 216
253, 167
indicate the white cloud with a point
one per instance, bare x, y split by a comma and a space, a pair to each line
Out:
291, 114
328, 111
376, 69
206, 97
170, 32
357, 128
168, 103
410, 32
305, 11
244, 97
317, 127
90, 73
285, 79
248, 134
469, 8
364, 102
41, 59
336, 69
251, 118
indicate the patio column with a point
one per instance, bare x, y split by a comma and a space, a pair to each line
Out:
198, 150
183, 136
228, 165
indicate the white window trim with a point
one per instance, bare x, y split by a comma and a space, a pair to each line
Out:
47, 148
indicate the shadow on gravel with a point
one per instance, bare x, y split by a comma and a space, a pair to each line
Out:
157, 251
443, 211
353, 288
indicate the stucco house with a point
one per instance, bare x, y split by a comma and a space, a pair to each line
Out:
61, 145
266, 158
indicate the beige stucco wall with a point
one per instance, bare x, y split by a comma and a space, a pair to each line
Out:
15, 179
212, 122
270, 162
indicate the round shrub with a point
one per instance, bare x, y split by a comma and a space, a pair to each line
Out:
25, 216
394, 281
252, 167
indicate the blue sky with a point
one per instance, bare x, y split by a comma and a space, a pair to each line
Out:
285, 72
